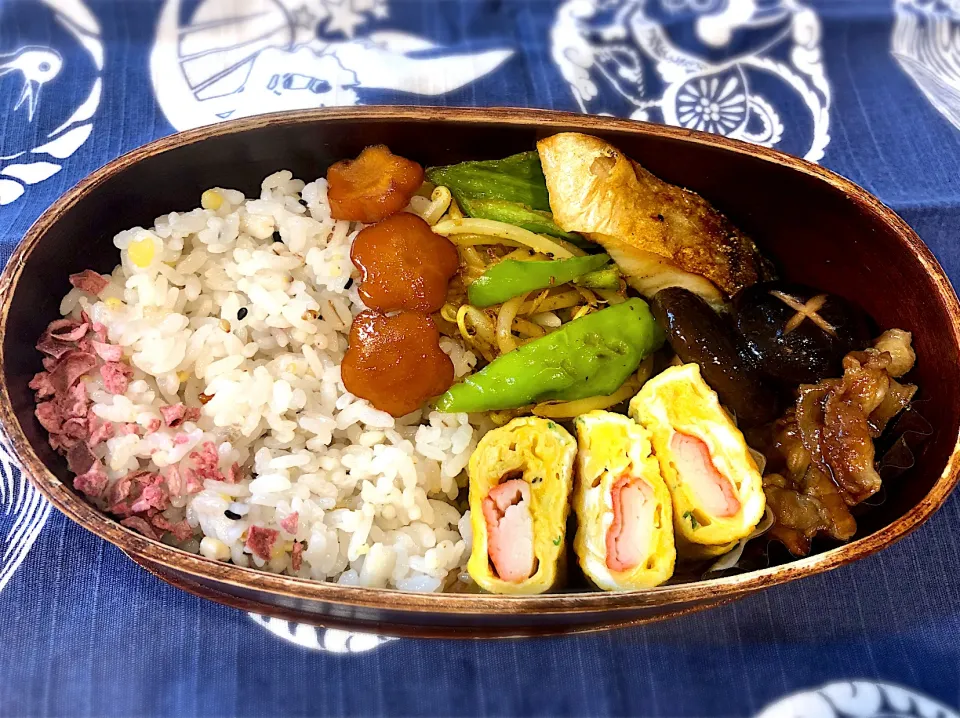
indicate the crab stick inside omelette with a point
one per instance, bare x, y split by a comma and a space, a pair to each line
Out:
624, 517
520, 480
713, 480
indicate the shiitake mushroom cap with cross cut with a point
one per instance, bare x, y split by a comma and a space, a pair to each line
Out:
798, 334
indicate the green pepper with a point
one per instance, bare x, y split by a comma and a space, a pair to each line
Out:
518, 215
604, 278
590, 356
518, 178
511, 278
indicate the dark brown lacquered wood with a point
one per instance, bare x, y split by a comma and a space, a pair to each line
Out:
820, 228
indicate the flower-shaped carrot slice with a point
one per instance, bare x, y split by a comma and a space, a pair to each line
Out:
375, 185
395, 362
403, 264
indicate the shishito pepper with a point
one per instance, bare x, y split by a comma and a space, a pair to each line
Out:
518, 178
512, 190
590, 356
605, 278
511, 278
533, 220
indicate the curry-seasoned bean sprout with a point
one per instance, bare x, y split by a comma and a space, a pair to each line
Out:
548, 320
552, 303
551, 246
418, 205
508, 312
534, 307
478, 331
479, 240
611, 296
571, 409
588, 295
439, 203
526, 328
449, 312
581, 312
472, 258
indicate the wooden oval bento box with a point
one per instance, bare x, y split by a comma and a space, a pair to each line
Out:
818, 227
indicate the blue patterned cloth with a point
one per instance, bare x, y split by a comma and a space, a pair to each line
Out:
869, 88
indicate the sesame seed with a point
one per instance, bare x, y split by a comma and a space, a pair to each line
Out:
242, 313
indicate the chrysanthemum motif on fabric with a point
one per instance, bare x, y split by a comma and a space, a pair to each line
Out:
862, 699
748, 69
37, 75
329, 640
225, 59
926, 44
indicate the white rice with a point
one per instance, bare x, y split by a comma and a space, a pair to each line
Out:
375, 496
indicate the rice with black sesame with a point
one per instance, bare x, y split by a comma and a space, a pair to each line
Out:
224, 427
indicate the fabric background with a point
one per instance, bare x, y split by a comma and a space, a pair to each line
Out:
83, 631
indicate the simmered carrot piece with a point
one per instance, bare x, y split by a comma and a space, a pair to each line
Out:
403, 264
395, 362
375, 185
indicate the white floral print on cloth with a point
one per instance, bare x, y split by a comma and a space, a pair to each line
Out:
708, 65
329, 640
230, 59
65, 60
23, 514
926, 44
858, 699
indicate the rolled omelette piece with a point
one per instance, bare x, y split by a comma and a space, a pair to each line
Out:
713, 480
625, 519
520, 480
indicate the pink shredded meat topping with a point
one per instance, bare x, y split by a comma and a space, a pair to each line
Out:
296, 556
175, 414
107, 352
98, 429
93, 482
42, 384
207, 461
152, 496
72, 353
260, 541
116, 377
174, 480
194, 482
89, 281
290, 522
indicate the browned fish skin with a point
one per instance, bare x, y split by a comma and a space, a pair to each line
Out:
598, 191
